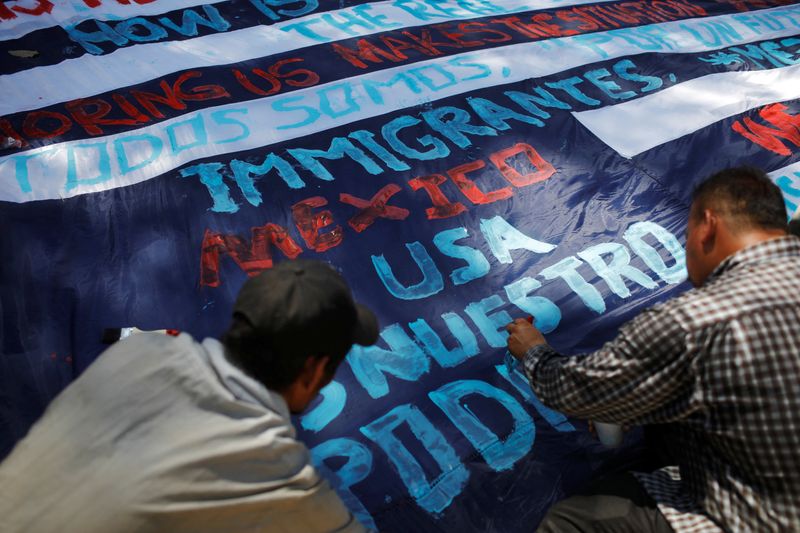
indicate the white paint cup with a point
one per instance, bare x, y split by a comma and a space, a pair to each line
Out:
610, 435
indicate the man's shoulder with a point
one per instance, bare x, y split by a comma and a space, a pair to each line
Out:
147, 349
148, 341
740, 292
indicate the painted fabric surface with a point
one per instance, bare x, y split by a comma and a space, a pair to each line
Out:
461, 162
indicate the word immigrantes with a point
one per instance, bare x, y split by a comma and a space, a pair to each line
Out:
484, 118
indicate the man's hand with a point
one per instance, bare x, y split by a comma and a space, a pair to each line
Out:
522, 336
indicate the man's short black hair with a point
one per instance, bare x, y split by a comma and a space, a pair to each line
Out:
275, 369
794, 227
745, 195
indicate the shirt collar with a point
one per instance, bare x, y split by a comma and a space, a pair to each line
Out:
242, 386
780, 247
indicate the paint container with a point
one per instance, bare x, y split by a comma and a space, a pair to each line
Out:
112, 335
610, 435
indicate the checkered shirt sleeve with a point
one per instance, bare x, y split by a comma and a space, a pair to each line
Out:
639, 377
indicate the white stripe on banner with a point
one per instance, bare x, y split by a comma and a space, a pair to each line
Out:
89, 165
67, 12
638, 125
788, 179
90, 75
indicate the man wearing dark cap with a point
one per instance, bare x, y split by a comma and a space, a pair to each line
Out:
167, 434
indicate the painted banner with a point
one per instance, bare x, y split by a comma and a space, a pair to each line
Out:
461, 162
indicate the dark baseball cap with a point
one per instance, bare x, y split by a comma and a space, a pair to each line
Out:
304, 307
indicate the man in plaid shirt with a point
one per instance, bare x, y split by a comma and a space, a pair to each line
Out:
717, 368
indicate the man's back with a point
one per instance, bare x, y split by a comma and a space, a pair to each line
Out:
165, 434
739, 447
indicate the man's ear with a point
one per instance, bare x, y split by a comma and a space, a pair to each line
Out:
304, 389
315, 374
708, 229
